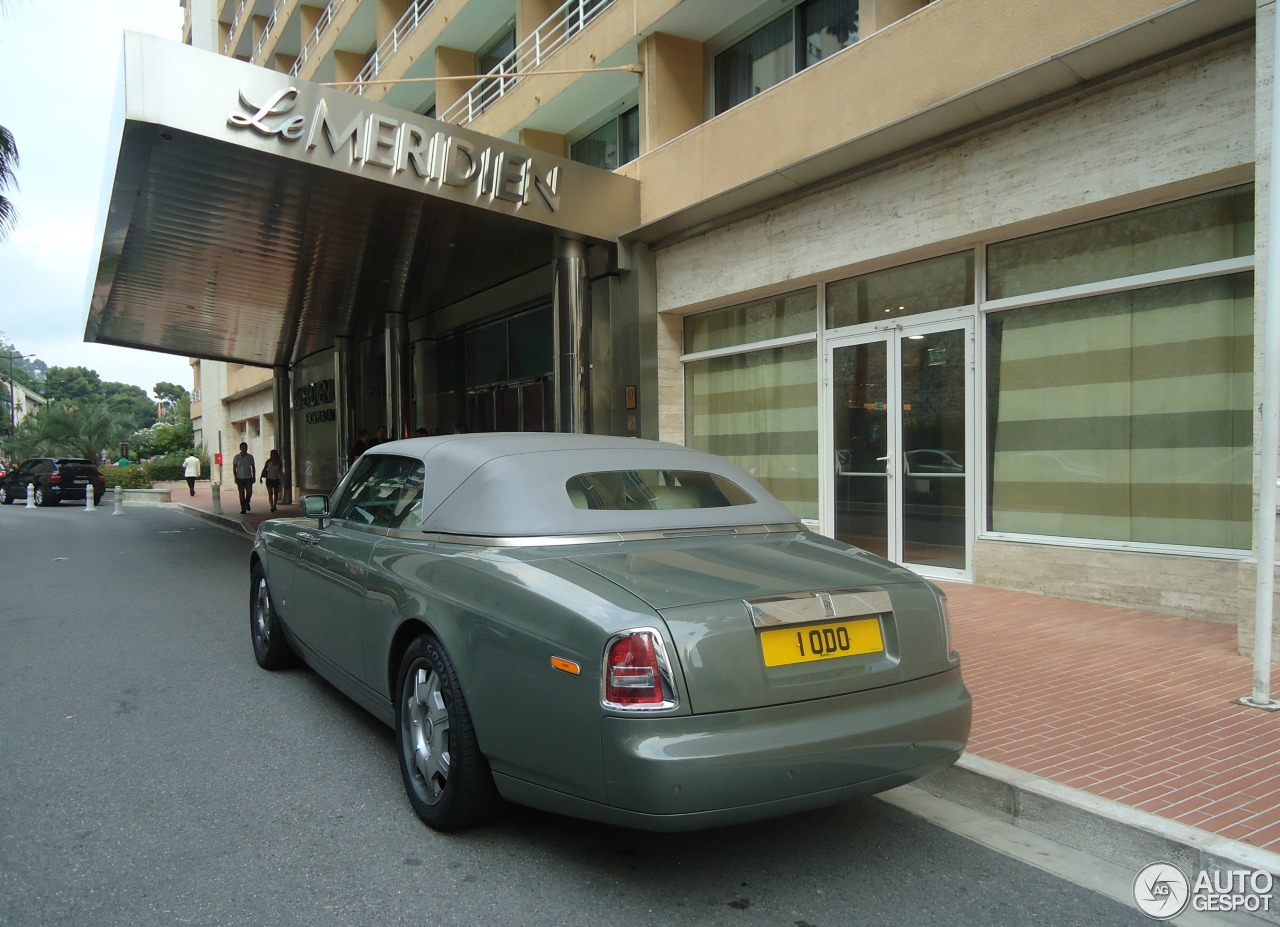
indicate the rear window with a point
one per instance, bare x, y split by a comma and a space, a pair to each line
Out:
654, 490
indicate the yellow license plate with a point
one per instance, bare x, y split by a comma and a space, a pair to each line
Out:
809, 643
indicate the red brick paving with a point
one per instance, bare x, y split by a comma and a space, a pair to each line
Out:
1129, 705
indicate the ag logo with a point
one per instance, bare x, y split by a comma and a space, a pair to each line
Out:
1162, 891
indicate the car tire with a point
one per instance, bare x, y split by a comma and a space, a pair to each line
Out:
42, 498
445, 775
270, 648
5, 497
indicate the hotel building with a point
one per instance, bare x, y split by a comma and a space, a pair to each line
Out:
974, 284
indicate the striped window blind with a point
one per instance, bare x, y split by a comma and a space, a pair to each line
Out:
1125, 416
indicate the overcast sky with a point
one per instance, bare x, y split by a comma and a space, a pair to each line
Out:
58, 62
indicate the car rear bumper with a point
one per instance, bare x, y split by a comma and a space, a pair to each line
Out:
690, 772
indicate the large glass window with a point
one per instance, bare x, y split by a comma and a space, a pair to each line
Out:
759, 409
613, 144
939, 283
1125, 417
793, 313
1214, 227
384, 492
799, 38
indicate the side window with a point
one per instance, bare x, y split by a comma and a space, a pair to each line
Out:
385, 492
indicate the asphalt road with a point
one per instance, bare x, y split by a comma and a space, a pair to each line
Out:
152, 774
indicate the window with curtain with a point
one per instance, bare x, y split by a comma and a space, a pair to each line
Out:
1126, 416
758, 406
801, 37
613, 144
759, 409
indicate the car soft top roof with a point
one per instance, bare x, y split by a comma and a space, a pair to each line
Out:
515, 485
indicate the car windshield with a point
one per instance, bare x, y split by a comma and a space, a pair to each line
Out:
654, 490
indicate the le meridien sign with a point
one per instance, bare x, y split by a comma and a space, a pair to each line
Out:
318, 393
380, 141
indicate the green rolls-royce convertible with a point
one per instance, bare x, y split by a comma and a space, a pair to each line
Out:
621, 630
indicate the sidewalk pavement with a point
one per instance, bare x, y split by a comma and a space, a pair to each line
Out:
1113, 724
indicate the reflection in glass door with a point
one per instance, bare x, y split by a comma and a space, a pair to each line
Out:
900, 430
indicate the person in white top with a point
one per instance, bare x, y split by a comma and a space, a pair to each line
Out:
191, 470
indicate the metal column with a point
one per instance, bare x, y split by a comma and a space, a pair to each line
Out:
282, 408
397, 345
344, 400
571, 295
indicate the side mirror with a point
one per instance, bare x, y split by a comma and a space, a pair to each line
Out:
316, 507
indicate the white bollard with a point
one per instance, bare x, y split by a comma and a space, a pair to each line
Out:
216, 492
31, 495
119, 502
88, 497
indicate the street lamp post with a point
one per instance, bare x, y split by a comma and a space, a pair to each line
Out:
13, 415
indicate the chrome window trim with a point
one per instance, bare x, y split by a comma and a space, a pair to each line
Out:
604, 537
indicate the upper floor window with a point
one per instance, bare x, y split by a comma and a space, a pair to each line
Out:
613, 144
803, 36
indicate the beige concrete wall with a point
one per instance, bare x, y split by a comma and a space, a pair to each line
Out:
1047, 171
327, 41
416, 44
389, 13
673, 88
550, 142
530, 14
452, 61
240, 377
615, 28
874, 15
1152, 582
871, 85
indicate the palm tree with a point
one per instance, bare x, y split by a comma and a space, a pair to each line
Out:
8, 177
64, 429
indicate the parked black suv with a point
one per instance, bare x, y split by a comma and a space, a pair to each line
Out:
54, 479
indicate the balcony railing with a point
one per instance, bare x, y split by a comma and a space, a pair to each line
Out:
266, 32
559, 28
313, 40
235, 23
391, 44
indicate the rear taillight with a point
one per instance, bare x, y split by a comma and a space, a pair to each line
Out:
55, 477
637, 673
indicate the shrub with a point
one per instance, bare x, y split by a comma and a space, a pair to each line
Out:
130, 477
168, 467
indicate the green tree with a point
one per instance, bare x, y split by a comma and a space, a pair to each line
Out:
63, 429
131, 404
173, 434
170, 393
72, 384
8, 178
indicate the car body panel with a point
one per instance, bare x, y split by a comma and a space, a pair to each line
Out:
526, 621
680, 774
56, 479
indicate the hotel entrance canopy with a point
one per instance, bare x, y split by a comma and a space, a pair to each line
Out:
253, 217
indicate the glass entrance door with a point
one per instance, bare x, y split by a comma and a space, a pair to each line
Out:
900, 440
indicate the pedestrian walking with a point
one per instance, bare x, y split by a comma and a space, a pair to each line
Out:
245, 471
191, 470
273, 476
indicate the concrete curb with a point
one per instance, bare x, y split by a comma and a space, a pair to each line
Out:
229, 522
1108, 829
